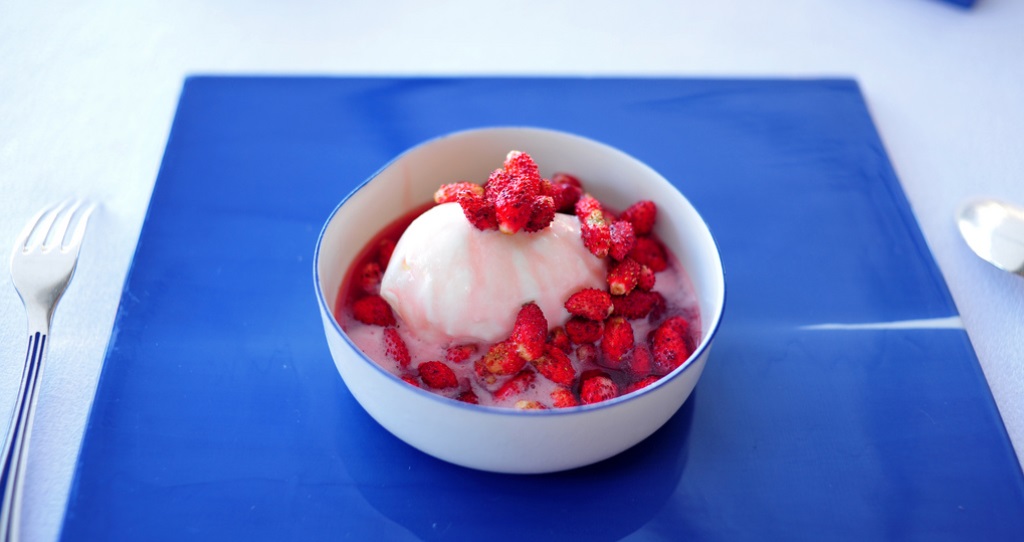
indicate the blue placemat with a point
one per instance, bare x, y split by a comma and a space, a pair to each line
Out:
219, 414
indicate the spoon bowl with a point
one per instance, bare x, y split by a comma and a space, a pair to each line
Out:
995, 231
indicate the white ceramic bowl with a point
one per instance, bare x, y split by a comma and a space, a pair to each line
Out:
498, 439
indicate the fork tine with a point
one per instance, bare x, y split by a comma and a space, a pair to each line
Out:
56, 235
75, 243
30, 226
41, 222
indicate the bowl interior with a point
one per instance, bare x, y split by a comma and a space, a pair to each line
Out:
612, 176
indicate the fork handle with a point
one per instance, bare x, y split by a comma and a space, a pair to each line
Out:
15, 454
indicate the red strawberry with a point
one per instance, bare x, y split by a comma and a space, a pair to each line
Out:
385, 248
512, 193
680, 324
623, 277
594, 227
583, 331
670, 348
459, 353
556, 366
636, 304
520, 164
565, 196
530, 332
468, 396
587, 354
560, 339
563, 398
587, 205
411, 380
437, 375
617, 340
622, 239
649, 252
646, 279
640, 384
369, 278
515, 386
560, 178
373, 310
524, 404
395, 347
541, 215
501, 359
641, 363
642, 215
596, 387
451, 192
479, 211
590, 303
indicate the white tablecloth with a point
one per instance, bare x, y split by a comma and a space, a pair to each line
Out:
88, 91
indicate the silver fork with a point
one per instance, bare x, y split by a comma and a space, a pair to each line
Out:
42, 263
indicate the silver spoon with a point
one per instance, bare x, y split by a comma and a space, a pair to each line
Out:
995, 231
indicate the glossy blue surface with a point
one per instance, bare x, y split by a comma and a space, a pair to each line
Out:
220, 415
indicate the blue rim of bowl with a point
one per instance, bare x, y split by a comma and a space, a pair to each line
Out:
705, 342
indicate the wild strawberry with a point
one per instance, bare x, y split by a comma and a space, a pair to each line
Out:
369, 278
565, 196
479, 211
640, 384
468, 396
622, 239
563, 398
587, 354
560, 177
541, 215
437, 375
636, 304
587, 205
617, 340
670, 348
411, 380
590, 303
623, 277
596, 387
450, 192
641, 362
530, 332
373, 310
395, 348
583, 331
520, 164
560, 339
646, 279
385, 248
516, 385
642, 215
501, 359
459, 353
596, 236
681, 325
649, 252
556, 366
512, 194
524, 404
594, 228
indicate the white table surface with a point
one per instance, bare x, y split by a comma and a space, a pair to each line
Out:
88, 92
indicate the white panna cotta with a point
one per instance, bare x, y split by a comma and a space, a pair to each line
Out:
451, 282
